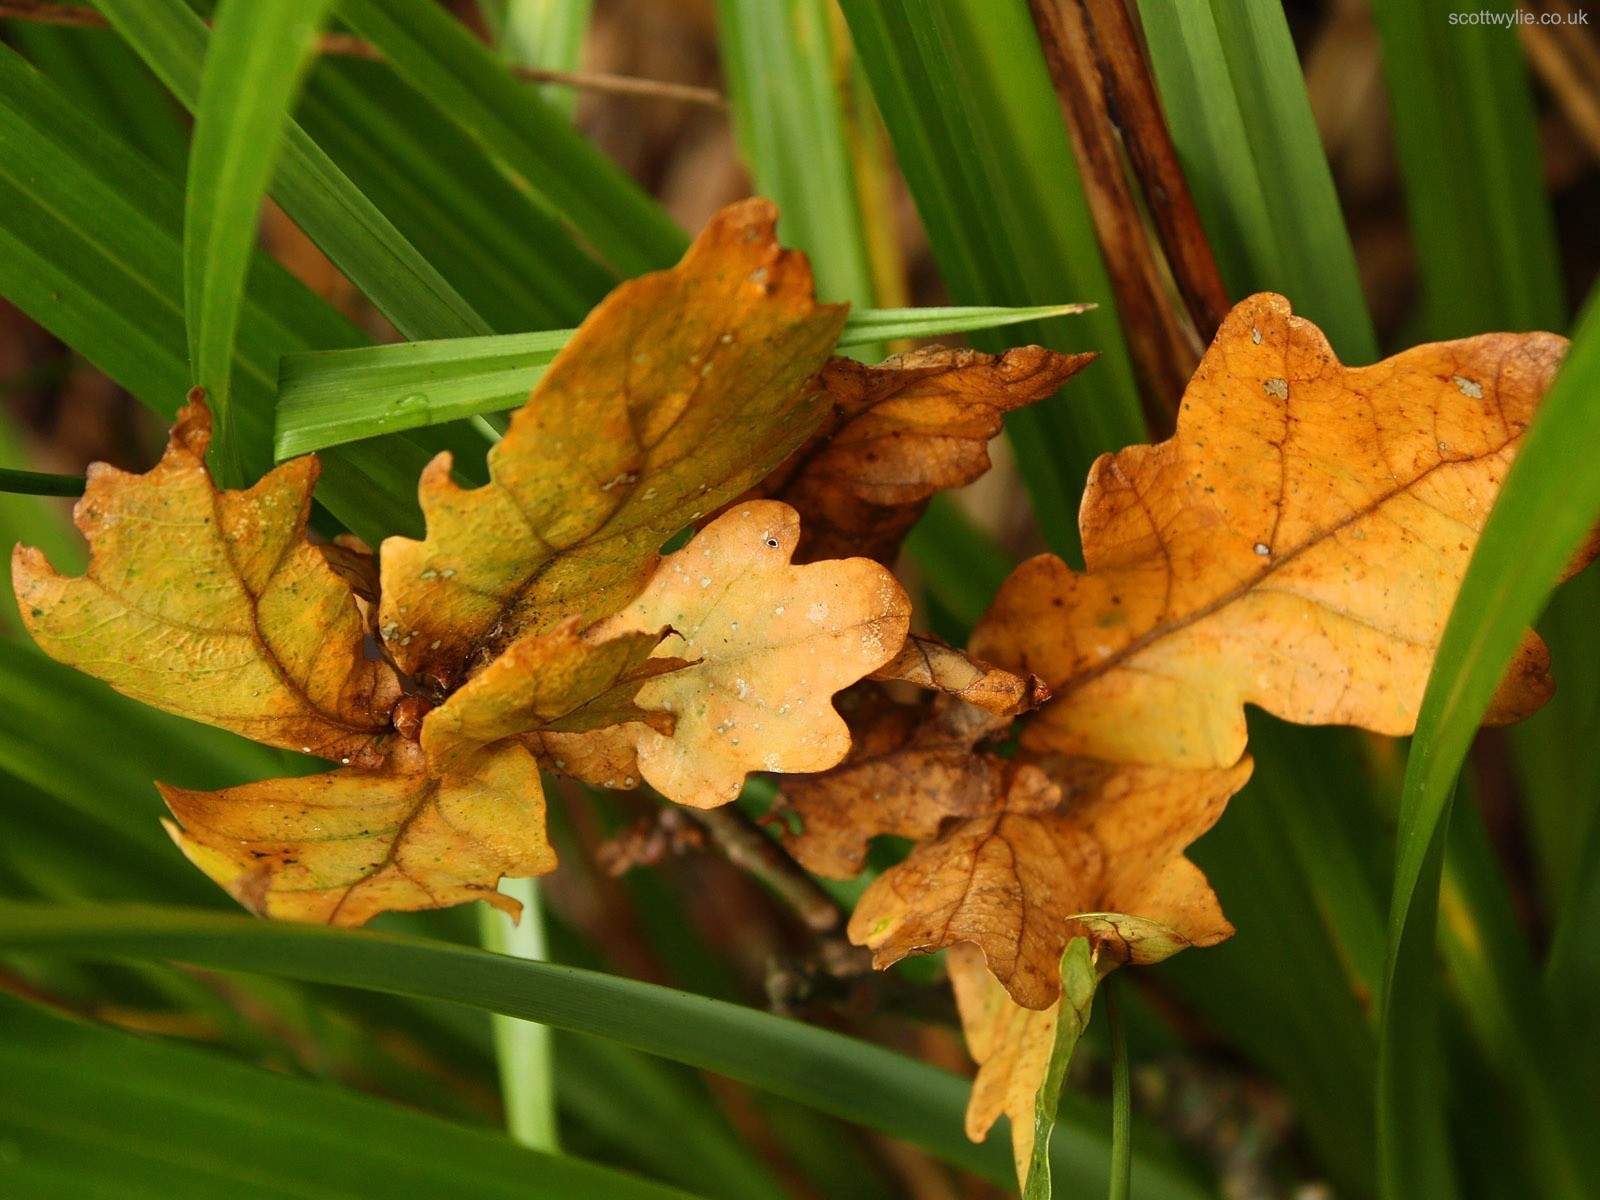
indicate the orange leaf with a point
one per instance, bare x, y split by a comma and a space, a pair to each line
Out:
899, 432
928, 662
345, 846
1018, 882
769, 643
1296, 545
213, 605
907, 773
679, 392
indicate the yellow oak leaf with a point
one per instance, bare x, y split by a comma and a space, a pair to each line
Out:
898, 432
559, 681
1296, 545
1017, 883
680, 391
213, 605
344, 846
769, 643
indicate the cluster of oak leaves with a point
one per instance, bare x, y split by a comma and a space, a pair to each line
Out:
1296, 545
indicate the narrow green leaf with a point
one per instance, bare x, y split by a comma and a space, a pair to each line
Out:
851, 1079
258, 53
331, 397
91, 248
537, 146
522, 1048
541, 33
977, 131
1121, 1098
359, 239
1078, 981
1546, 508
1236, 101
88, 1111
782, 66
35, 483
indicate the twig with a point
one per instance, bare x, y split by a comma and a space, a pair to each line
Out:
748, 847
1165, 351
346, 46
1136, 110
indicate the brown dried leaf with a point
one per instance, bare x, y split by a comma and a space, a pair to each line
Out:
908, 771
1015, 883
680, 391
345, 846
901, 431
769, 643
1296, 545
929, 662
213, 605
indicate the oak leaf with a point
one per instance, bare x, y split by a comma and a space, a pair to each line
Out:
928, 662
343, 846
213, 605
901, 431
909, 770
680, 391
1296, 545
1020, 883
768, 643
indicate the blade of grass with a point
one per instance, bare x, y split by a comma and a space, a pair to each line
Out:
1545, 510
359, 239
542, 33
967, 100
91, 248
88, 1111
256, 57
851, 1079
36, 483
435, 54
328, 398
522, 1048
1236, 102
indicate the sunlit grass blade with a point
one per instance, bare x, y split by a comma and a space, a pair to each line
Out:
783, 67
852, 1079
523, 1048
329, 397
1236, 101
977, 132
1546, 508
91, 1111
359, 239
541, 33
438, 56
255, 59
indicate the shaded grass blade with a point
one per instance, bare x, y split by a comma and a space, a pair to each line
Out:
852, 1079
89, 1111
349, 229
1546, 508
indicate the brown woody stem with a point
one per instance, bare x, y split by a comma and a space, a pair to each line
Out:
747, 846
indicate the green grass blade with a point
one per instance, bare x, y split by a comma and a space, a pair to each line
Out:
542, 33
328, 398
523, 1048
1236, 101
968, 103
359, 239
782, 67
1467, 138
37, 483
1546, 508
88, 1111
851, 1079
435, 54
258, 53
91, 248
514, 262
